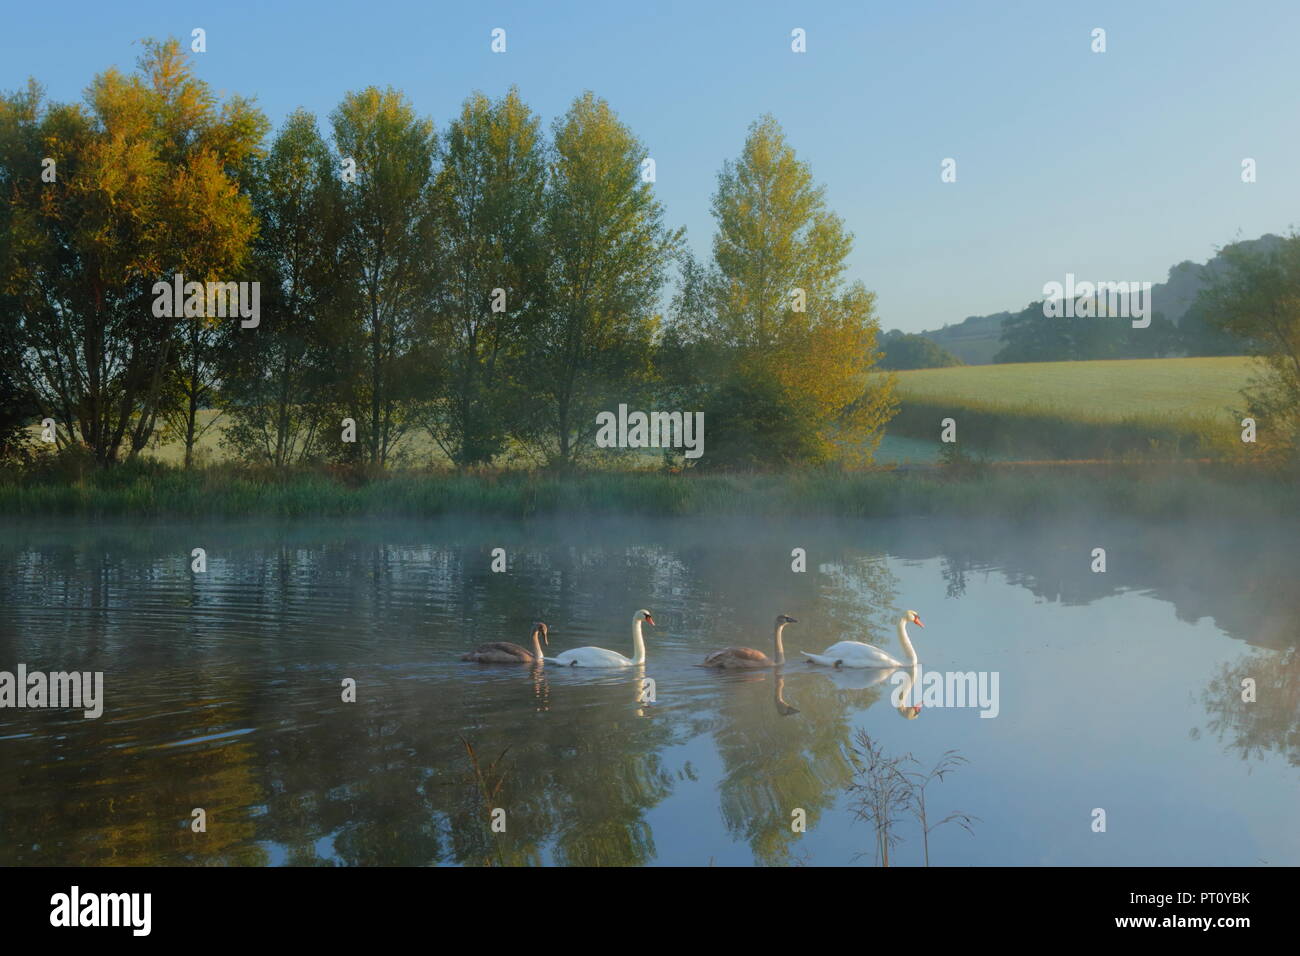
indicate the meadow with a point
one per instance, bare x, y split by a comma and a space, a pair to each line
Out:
1102, 390
1074, 410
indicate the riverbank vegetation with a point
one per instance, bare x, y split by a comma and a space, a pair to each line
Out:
959, 487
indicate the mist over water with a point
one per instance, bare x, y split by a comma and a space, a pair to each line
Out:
1119, 690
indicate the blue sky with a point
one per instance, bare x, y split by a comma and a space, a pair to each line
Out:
1112, 166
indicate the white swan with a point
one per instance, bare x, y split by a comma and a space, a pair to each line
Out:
599, 657
857, 654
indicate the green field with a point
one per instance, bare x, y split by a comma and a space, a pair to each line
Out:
1102, 391
1073, 410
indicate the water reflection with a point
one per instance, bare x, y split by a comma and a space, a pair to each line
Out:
1253, 705
223, 689
903, 693
783, 707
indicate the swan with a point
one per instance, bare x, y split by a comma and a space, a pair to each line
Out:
747, 657
857, 654
506, 652
599, 657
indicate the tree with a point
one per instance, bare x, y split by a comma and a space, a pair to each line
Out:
1032, 336
16, 408
489, 203
1029, 336
17, 147
388, 211
901, 350
279, 386
1198, 335
608, 251
776, 309
1256, 299
146, 185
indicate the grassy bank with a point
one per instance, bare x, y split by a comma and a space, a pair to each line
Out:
158, 491
1034, 431
1164, 407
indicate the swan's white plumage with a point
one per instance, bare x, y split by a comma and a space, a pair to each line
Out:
600, 657
591, 657
858, 654
853, 654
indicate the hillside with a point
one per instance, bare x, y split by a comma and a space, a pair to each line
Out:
977, 338
974, 340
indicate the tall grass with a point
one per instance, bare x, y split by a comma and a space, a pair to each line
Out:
155, 491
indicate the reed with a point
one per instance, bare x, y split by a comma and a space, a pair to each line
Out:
1013, 492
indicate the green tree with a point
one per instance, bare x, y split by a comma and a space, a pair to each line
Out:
608, 250
147, 184
18, 145
490, 207
1199, 335
389, 214
901, 350
1256, 299
1029, 336
279, 387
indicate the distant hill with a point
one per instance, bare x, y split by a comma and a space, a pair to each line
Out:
974, 340
977, 338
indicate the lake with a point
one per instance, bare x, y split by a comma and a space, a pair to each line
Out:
1118, 691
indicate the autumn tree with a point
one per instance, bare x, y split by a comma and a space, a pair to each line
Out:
787, 336
140, 183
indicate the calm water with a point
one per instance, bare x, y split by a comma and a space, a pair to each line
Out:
1119, 691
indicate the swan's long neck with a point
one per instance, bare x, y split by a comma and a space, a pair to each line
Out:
638, 642
780, 647
907, 644
537, 645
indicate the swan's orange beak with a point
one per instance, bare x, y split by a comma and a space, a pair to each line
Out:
649, 620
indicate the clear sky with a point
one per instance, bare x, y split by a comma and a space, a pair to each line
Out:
1110, 165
